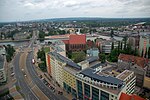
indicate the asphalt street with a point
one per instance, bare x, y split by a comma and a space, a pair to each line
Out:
46, 90
24, 88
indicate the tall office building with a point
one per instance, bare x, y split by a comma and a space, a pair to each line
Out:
95, 83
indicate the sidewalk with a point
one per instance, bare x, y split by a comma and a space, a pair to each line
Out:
15, 94
28, 79
50, 80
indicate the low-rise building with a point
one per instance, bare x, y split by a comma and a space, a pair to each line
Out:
144, 45
125, 96
2, 65
134, 41
93, 52
105, 46
133, 63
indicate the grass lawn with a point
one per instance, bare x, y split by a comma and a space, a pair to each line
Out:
47, 49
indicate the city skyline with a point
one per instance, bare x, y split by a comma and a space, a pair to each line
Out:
24, 10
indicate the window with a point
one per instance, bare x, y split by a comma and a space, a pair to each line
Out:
80, 91
87, 90
104, 95
95, 94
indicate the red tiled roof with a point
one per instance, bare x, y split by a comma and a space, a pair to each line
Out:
135, 97
66, 41
130, 97
137, 60
77, 39
125, 97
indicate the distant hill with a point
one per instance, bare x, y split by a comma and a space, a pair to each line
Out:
93, 21
97, 19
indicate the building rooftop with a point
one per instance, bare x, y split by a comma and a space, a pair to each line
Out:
65, 59
56, 48
124, 74
1, 61
133, 59
130, 97
71, 70
77, 39
92, 59
58, 36
2, 50
94, 73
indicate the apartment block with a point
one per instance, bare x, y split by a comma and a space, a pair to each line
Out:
95, 83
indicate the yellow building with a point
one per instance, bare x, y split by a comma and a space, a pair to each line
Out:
63, 71
69, 81
146, 82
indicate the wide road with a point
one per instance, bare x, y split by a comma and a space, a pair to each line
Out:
24, 88
36, 80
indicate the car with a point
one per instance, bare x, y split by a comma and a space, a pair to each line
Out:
12, 74
59, 92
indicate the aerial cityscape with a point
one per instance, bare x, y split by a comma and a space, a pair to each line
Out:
75, 50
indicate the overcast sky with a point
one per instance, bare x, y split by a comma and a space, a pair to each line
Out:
20, 10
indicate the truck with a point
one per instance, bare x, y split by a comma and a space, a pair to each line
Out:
33, 61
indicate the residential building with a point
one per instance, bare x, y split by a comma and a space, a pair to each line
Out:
57, 46
93, 52
94, 83
125, 96
105, 46
144, 45
133, 63
69, 81
90, 43
57, 63
134, 41
147, 77
2, 64
146, 82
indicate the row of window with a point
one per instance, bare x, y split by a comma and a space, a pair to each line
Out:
96, 95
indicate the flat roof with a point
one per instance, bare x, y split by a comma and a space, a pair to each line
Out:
70, 70
1, 61
92, 59
65, 59
124, 74
90, 72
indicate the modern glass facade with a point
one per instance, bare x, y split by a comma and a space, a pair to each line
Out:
86, 91
69, 89
104, 96
95, 94
80, 90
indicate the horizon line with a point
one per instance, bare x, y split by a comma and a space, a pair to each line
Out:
34, 20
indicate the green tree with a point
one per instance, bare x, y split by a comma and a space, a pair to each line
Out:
78, 56
102, 57
9, 52
112, 46
121, 46
41, 55
118, 46
145, 55
113, 56
129, 49
125, 42
136, 52
149, 53
41, 36
111, 33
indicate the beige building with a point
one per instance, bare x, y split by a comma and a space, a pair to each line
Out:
2, 65
97, 83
